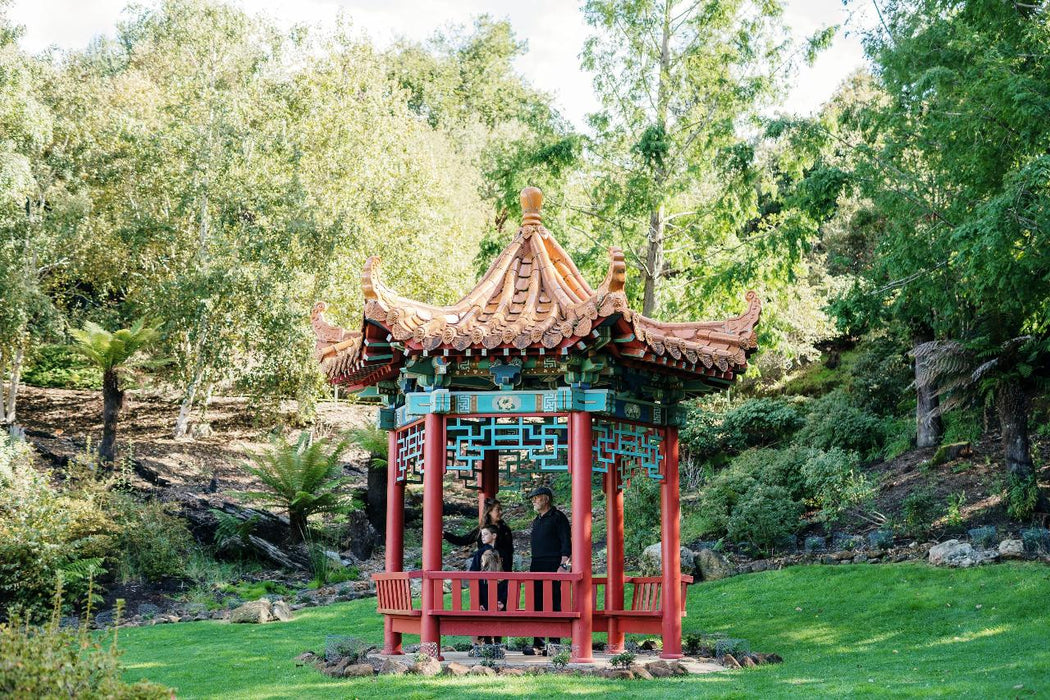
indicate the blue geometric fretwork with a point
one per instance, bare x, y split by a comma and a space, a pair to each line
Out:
534, 443
408, 462
629, 445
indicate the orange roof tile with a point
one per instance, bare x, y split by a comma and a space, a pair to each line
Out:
532, 296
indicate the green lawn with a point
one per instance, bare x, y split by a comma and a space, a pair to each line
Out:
905, 629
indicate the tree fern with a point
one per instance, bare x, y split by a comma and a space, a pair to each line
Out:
304, 478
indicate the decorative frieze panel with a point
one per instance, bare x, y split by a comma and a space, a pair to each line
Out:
628, 447
408, 462
529, 445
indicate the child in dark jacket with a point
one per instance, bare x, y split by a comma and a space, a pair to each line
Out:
487, 558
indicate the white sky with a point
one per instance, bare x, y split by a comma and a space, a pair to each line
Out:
554, 29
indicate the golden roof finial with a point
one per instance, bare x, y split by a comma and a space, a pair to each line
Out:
531, 204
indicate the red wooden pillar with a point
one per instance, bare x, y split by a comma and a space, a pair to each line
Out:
489, 481
670, 531
395, 535
614, 558
580, 464
434, 456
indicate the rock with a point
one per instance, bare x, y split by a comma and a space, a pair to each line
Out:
640, 671
860, 558
711, 566
337, 668
955, 554
281, 611
620, 674
148, 610
307, 657
759, 566
507, 671
840, 556
774, 659
358, 670
729, 661
361, 537
659, 669
677, 668
257, 611
650, 562
430, 667
481, 670
1011, 549
748, 662
391, 667
456, 669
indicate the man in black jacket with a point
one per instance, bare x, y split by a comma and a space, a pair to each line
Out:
551, 549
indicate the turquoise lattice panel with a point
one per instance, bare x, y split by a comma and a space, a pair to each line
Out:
409, 460
533, 444
632, 447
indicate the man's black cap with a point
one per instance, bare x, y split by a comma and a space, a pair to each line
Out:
541, 491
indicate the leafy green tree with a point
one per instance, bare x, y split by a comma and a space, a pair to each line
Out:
26, 128
956, 166
114, 353
677, 81
304, 478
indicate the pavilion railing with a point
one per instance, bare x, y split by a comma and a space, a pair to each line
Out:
394, 592
528, 593
461, 593
645, 593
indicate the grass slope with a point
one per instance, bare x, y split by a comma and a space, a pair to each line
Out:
900, 630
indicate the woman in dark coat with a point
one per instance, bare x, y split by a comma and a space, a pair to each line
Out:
493, 515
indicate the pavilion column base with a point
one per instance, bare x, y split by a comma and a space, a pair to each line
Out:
614, 639
391, 639
672, 655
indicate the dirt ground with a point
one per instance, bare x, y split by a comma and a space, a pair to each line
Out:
65, 421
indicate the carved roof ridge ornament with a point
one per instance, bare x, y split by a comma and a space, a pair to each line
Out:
532, 295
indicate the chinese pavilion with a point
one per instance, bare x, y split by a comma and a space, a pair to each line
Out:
531, 374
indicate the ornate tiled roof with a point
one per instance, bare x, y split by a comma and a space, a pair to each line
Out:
532, 297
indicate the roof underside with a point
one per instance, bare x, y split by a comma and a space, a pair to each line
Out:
533, 299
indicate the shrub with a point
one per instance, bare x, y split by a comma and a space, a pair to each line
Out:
879, 376
719, 498
44, 532
833, 482
920, 509
765, 516
51, 662
642, 514
759, 423
58, 366
152, 543
983, 536
834, 422
1022, 496
560, 660
754, 423
622, 660
304, 479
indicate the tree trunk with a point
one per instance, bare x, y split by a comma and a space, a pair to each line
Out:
112, 401
182, 423
12, 389
929, 428
375, 498
299, 527
3, 394
1012, 405
654, 259
654, 253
